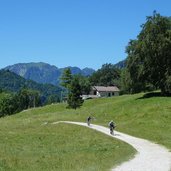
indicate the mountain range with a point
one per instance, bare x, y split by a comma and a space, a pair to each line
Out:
44, 73
41, 77
12, 82
49, 74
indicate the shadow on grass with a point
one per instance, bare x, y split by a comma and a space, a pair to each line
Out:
153, 94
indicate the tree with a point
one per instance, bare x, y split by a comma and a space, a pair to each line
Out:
125, 82
66, 78
84, 83
53, 99
11, 103
133, 78
106, 76
74, 98
28, 98
8, 104
149, 57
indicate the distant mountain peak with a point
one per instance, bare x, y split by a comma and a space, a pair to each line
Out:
43, 72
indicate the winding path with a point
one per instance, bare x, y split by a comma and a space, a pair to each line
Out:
149, 157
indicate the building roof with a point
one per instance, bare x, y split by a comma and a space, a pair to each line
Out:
106, 89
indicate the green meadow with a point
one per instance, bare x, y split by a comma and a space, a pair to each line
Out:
30, 142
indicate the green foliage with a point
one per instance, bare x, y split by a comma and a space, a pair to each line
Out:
75, 86
149, 61
28, 99
106, 76
66, 78
74, 98
8, 104
12, 82
53, 99
125, 82
11, 103
168, 84
84, 84
121, 64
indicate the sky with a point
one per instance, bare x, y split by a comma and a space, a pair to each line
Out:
82, 33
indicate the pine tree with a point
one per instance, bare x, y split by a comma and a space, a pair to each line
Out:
66, 78
74, 98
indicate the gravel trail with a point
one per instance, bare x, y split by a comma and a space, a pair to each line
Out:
149, 157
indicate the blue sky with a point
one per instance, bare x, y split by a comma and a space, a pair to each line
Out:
83, 33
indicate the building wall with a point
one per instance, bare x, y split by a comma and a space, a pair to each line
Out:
93, 92
107, 94
103, 94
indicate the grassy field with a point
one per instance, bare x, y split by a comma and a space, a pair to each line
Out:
59, 147
27, 144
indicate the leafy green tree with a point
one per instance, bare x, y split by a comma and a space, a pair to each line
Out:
125, 82
74, 98
34, 98
133, 79
149, 57
11, 103
23, 99
106, 76
8, 104
84, 83
28, 99
53, 99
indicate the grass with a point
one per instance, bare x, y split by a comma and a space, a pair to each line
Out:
27, 144
30, 146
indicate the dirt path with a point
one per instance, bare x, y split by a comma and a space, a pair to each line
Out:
149, 157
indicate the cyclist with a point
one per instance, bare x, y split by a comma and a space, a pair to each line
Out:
111, 126
89, 120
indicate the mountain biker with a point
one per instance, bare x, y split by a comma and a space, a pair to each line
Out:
88, 120
111, 126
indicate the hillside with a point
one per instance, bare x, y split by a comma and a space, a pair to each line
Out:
43, 72
10, 81
34, 137
148, 113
